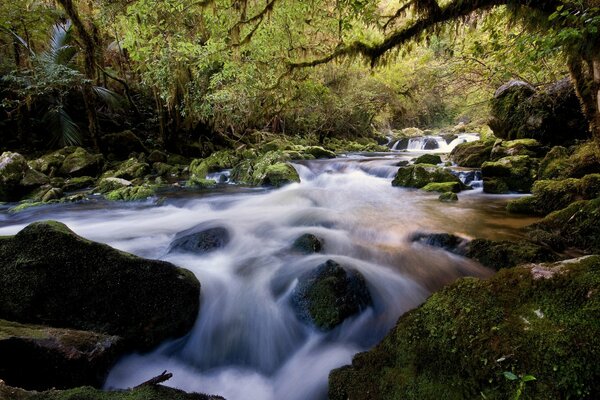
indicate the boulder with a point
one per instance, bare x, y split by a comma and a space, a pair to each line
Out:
165, 170
577, 226
552, 116
17, 178
217, 161
122, 144
132, 193
130, 170
308, 244
509, 174
270, 169
319, 152
78, 183
419, 175
201, 239
472, 154
443, 187
51, 276
462, 343
39, 357
428, 159
329, 294
555, 163
157, 156
519, 147
81, 163
506, 254
110, 184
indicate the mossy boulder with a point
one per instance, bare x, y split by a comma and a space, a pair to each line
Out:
16, 177
538, 320
519, 111
165, 170
553, 195
518, 147
217, 161
577, 225
201, 239
122, 144
81, 182
110, 184
443, 187
130, 169
271, 169
329, 294
448, 197
428, 159
146, 392
81, 163
509, 174
307, 244
506, 254
132, 193
555, 163
472, 154
39, 357
51, 276
319, 152
419, 175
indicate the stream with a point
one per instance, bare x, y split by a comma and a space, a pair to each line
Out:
247, 342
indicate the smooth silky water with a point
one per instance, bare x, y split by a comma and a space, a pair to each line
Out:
247, 342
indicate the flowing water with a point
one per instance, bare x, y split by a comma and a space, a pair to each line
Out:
247, 342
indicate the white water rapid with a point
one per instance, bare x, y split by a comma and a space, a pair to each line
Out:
247, 342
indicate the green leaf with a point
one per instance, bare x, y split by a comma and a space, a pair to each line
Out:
528, 378
510, 376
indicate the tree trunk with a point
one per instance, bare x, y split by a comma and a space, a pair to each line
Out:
89, 48
585, 75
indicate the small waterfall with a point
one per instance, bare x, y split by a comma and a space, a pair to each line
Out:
426, 143
432, 143
462, 138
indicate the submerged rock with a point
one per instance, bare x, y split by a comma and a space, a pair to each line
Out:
308, 244
201, 239
538, 320
329, 294
448, 197
39, 357
452, 243
51, 276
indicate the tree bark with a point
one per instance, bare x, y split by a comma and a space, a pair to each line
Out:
89, 48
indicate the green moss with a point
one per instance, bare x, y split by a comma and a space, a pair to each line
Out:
555, 164
50, 275
577, 225
460, 341
269, 169
420, 175
513, 173
130, 169
428, 159
157, 392
10, 329
448, 197
519, 147
217, 161
81, 163
200, 183
505, 254
131, 193
319, 152
77, 183
442, 187
472, 154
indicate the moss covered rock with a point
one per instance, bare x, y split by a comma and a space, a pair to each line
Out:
555, 163
81, 163
509, 174
130, 169
329, 294
552, 195
110, 184
419, 175
271, 169
428, 159
506, 254
16, 177
147, 392
443, 187
165, 170
538, 320
39, 357
52, 276
518, 147
217, 161
78, 183
132, 193
448, 197
519, 111
319, 152
472, 154
577, 225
